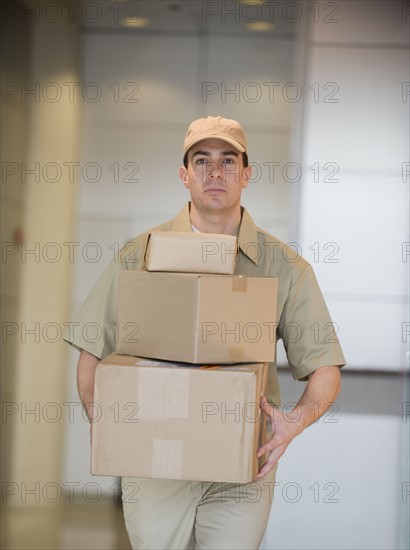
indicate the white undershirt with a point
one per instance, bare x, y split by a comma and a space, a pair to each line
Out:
195, 230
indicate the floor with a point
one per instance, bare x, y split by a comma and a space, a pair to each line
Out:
65, 526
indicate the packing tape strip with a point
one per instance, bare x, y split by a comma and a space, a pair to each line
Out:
163, 393
235, 354
167, 458
240, 284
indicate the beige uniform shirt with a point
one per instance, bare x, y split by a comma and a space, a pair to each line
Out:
304, 322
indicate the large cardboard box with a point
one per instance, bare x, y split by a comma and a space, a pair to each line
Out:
191, 252
197, 318
159, 420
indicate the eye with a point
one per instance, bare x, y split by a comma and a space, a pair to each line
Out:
201, 161
229, 161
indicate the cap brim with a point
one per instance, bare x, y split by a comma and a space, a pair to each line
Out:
229, 140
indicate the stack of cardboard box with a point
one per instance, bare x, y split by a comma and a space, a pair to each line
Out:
180, 398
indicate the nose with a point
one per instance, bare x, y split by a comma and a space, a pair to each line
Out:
215, 170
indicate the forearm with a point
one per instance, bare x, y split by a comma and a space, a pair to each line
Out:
322, 389
87, 364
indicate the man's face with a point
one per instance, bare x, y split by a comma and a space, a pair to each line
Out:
215, 175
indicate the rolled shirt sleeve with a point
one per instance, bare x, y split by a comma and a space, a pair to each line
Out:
94, 328
305, 326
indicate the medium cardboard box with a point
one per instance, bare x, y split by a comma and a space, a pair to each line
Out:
191, 252
197, 318
161, 420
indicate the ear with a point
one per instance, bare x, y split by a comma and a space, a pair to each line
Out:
247, 173
183, 174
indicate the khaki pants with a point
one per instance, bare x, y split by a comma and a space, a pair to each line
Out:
173, 514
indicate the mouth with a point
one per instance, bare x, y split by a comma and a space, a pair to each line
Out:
215, 190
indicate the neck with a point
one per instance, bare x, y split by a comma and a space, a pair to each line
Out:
216, 222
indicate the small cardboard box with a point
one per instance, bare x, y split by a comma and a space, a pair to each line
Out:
162, 420
191, 252
197, 318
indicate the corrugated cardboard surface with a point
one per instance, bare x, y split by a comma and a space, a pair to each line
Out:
191, 252
197, 318
159, 420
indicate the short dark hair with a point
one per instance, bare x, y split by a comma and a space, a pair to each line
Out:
244, 158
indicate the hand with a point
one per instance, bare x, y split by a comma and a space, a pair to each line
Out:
283, 431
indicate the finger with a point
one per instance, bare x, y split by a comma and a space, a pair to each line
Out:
267, 448
267, 467
266, 407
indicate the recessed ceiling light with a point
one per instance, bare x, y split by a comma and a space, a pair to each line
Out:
136, 22
260, 26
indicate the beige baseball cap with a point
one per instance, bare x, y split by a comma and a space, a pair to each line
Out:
215, 127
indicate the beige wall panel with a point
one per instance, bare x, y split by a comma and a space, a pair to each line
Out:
11, 253
48, 216
13, 142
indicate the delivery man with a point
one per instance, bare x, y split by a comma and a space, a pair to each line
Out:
175, 514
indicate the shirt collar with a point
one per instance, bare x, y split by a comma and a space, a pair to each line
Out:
182, 221
248, 237
248, 232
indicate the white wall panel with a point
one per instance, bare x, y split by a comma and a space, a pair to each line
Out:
266, 196
367, 129
97, 243
138, 224
160, 74
359, 232
148, 163
244, 65
362, 217
366, 21
339, 486
370, 331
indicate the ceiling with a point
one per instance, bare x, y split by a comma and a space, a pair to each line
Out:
256, 18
